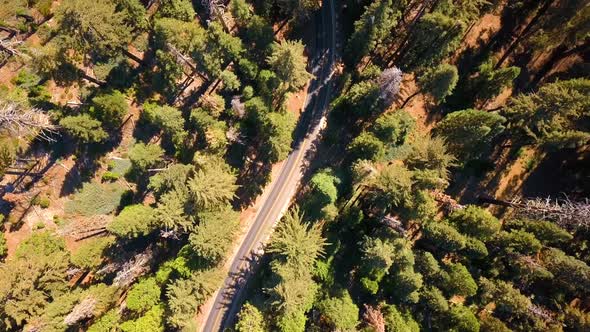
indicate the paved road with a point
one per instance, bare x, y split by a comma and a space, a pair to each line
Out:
229, 298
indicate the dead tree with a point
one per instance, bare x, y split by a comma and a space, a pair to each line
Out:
214, 8
563, 211
447, 202
389, 85
25, 121
129, 269
10, 47
374, 318
394, 223
82, 311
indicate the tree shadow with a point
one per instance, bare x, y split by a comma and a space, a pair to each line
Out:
566, 171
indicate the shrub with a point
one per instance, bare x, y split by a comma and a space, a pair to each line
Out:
95, 198
119, 166
41, 201
109, 176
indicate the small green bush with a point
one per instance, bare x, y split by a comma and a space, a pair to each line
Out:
41, 201
39, 225
109, 176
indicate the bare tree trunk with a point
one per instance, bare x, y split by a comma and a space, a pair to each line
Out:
561, 52
401, 48
524, 32
471, 26
410, 97
133, 57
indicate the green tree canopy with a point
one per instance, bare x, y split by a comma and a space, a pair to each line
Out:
434, 38
171, 212
110, 108
90, 254
277, 129
289, 63
143, 295
96, 27
510, 303
519, 241
394, 127
178, 9
553, 115
391, 187
296, 243
545, 231
185, 296
490, 81
134, 221
134, 13
439, 82
366, 146
212, 187
431, 154
340, 312
475, 221
169, 119
371, 29
458, 281
444, 236
143, 156
250, 319
213, 237
84, 128
571, 273
462, 319
32, 279
152, 320
470, 132
377, 255
172, 178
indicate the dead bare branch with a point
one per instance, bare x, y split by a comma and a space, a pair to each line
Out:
374, 318
566, 213
19, 120
83, 310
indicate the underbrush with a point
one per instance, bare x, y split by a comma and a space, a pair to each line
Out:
96, 198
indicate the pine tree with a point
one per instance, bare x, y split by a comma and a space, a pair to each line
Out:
84, 128
470, 132
340, 312
289, 63
433, 39
212, 187
213, 236
143, 295
551, 114
92, 27
134, 221
371, 29
438, 83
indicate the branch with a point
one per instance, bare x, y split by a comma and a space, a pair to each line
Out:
24, 121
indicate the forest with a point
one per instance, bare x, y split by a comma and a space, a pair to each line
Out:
448, 188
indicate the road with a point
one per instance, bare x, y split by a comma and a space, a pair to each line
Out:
230, 297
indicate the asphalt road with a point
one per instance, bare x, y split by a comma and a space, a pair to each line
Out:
230, 297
